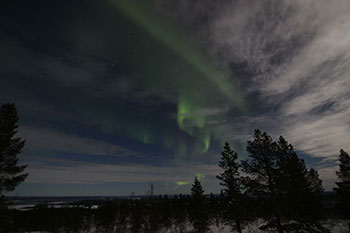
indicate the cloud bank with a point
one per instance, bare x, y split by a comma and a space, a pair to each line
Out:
293, 58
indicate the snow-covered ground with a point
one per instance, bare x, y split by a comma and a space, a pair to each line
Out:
335, 226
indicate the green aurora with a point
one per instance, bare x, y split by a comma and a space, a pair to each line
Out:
182, 183
200, 176
192, 77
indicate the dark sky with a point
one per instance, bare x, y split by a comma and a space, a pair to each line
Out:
116, 94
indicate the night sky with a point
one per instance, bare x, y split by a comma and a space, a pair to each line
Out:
114, 95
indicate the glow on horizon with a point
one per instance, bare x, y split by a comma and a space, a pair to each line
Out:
182, 183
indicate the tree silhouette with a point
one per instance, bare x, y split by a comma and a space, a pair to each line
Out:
343, 189
300, 191
263, 171
231, 181
214, 209
166, 212
153, 218
198, 212
106, 216
179, 213
122, 216
11, 174
136, 216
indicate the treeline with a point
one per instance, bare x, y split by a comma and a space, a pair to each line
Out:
153, 214
272, 185
286, 190
180, 213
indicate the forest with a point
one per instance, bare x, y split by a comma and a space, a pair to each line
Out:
273, 189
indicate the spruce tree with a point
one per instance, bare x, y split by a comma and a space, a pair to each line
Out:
11, 174
300, 191
198, 214
263, 172
343, 186
214, 208
231, 181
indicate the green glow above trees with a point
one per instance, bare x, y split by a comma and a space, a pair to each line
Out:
200, 176
183, 76
182, 183
185, 120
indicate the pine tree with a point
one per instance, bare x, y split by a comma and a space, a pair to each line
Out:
11, 174
214, 208
198, 212
300, 191
231, 181
197, 190
263, 172
343, 189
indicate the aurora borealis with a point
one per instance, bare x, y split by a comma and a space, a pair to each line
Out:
114, 95
203, 71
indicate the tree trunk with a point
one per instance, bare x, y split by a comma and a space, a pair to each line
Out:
238, 224
277, 215
273, 196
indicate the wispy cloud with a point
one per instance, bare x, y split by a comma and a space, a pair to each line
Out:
328, 176
48, 140
294, 57
88, 173
290, 58
204, 112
